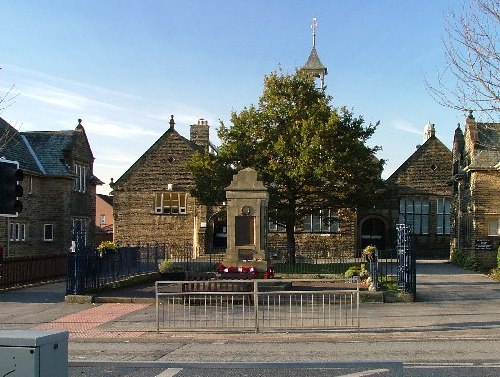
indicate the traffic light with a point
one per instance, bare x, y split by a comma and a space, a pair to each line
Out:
10, 189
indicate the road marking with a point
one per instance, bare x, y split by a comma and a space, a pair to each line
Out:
365, 373
170, 372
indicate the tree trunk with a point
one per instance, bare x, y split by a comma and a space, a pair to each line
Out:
290, 242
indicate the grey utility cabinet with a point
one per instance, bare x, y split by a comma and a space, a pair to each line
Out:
33, 353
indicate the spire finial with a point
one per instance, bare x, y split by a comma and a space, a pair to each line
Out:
314, 26
172, 122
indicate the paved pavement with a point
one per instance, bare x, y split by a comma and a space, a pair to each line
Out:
452, 304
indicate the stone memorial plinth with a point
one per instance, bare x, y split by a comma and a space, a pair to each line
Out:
247, 199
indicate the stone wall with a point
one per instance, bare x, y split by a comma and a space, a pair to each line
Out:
319, 245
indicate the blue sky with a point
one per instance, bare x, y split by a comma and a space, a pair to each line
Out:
124, 66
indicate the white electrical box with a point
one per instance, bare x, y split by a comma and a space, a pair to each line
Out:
33, 353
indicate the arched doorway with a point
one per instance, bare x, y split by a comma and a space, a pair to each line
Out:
373, 232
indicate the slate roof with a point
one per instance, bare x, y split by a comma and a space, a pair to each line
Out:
488, 146
14, 147
107, 198
48, 146
313, 63
38, 152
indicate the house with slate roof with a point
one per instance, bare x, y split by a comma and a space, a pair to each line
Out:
476, 192
417, 194
59, 190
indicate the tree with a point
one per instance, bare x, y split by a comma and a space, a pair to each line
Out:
309, 155
6, 100
471, 78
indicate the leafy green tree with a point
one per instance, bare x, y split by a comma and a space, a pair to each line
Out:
309, 155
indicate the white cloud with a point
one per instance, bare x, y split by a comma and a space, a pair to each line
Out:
406, 126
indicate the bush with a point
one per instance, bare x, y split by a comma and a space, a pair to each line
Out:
360, 271
106, 247
498, 258
467, 261
168, 266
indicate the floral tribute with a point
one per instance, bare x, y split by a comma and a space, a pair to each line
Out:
247, 272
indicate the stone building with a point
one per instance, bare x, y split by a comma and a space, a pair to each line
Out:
104, 218
416, 194
59, 190
151, 200
476, 192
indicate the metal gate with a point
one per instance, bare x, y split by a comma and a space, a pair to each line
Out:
81, 265
407, 273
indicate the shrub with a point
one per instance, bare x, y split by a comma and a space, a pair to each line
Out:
498, 258
168, 266
360, 271
369, 252
467, 261
106, 247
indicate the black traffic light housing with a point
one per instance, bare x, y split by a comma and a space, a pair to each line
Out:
10, 189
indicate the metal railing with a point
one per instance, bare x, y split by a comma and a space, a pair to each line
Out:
256, 305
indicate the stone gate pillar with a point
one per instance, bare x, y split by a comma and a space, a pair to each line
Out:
247, 199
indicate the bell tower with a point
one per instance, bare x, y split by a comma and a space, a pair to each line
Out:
313, 64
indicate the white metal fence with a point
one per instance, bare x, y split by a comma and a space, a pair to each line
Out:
257, 305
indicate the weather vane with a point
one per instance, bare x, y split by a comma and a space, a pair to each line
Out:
314, 26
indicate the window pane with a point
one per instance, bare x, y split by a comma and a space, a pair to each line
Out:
418, 206
425, 224
416, 225
440, 205
174, 200
447, 206
166, 203
425, 206
447, 224
182, 199
158, 200
402, 207
307, 223
316, 224
325, 223
409, 206
439, 224
48, 231
493, 227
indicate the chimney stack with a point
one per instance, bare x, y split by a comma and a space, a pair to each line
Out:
199, 133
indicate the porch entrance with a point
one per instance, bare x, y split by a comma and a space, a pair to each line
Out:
373, 232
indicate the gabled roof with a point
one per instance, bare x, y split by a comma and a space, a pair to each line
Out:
171, 132
410, 181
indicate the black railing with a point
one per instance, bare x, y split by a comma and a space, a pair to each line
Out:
89, 269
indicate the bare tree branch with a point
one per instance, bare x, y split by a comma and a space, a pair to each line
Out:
471, 78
